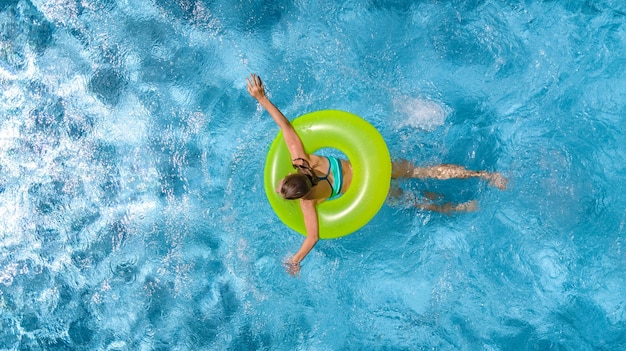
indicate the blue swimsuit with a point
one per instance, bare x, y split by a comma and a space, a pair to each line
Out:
334, 166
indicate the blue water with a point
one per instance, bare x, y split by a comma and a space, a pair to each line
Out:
132, 209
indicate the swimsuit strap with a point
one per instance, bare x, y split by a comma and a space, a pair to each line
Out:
327, 173
334, 166
306, 170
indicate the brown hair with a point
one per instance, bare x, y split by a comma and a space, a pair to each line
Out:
295, 186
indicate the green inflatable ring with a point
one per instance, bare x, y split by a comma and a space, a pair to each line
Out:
371, 172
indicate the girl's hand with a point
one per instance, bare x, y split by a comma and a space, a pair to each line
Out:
255, 86
292, 267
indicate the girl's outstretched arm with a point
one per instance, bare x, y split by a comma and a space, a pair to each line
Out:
294, 144
312, 228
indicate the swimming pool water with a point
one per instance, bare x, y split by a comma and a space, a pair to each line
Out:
132, 210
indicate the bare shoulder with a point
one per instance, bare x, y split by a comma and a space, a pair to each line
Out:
318, 163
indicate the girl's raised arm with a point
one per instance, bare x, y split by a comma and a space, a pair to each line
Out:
294, 144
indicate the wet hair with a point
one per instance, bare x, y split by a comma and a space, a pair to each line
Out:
295, 186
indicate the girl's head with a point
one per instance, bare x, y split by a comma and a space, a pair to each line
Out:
296, 186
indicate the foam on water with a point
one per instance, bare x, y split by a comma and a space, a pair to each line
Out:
420, 114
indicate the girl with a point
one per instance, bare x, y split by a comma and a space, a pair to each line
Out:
321, 178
